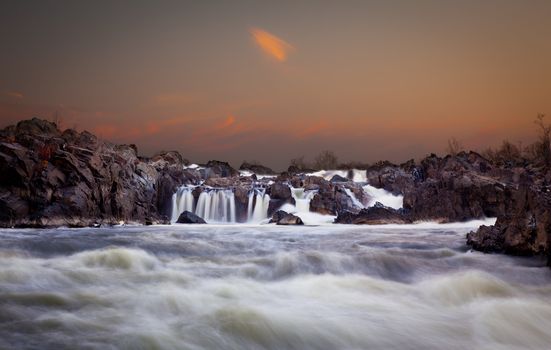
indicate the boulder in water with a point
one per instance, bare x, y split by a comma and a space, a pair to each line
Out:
281, 217
338, 178
188, 217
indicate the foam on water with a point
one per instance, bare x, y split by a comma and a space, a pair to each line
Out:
268, 287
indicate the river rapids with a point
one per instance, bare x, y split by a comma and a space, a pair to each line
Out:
267, 287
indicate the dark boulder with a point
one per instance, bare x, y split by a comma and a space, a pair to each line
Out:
338, 178
188, 217
281, 217
280, 194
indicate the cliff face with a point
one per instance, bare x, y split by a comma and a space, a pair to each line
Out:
523, 230
52, 178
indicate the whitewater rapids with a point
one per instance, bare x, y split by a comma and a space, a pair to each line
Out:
267, 287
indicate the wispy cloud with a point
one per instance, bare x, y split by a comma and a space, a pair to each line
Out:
15, 94
271, 44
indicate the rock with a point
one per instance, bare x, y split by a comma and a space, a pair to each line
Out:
257, 169
280, 194
338, 178
49, 178
215, 168
376, 215
188, 217
281, 217
523, 230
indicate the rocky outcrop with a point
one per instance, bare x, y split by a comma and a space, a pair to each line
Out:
53, 178
376, 215
216, 168
332, 197
280, 194
523, 230
257, 169
188, 217
281, 217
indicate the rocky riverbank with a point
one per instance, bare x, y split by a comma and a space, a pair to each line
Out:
54, 178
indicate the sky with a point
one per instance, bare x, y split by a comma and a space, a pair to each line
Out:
271, 81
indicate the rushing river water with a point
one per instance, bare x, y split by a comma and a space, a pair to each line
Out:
267, 287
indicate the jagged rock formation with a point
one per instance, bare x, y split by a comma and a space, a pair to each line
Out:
376, 215
525, 229
257, 169
54, 178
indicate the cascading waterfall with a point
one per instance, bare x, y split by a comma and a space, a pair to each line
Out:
302, 199
182, 200
353, 198
258, 210
218, 205
214, 205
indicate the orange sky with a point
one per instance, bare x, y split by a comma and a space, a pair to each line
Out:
270, 82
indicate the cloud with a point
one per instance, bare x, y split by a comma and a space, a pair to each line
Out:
15, 94
271, 44
229, 121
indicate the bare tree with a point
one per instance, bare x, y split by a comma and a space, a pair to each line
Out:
454, 146
57, 119
544, 141
326, 160
299, 163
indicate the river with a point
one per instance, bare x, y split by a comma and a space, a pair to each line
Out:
267, 287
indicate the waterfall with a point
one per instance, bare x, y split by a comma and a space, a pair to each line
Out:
216, 205
384, 197
302, 199
258, 211
182, 200
352, 196
359, 175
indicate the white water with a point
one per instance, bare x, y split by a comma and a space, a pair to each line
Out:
267, 287
352, 196
213, 205
302, 199
357, 175
261, 203
218, 205
384, 197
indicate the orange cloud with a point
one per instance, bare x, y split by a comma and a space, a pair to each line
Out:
15, 94
229, 121
271, 44
105, 130
312, 130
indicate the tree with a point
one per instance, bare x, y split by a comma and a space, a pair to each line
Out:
326, 160
544, 139
57, 119
454, 146
299, 163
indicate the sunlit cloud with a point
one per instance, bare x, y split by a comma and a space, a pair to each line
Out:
271, 44
314, 129
15, 94
229, 121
